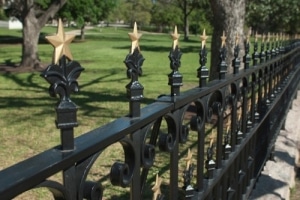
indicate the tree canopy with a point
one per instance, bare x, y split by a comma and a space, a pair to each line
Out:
83, 11
273, 15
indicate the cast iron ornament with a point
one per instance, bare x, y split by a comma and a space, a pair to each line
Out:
63, 78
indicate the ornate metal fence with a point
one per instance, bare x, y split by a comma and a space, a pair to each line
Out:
233, 121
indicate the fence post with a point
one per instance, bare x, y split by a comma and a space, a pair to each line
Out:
134, 61
203, 73
236, 61
247, 57
62, 77
175, 78
222, 65
255, 55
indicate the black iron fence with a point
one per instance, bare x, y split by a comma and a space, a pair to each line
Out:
233, 121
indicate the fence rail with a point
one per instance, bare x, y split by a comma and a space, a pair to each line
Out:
233, 121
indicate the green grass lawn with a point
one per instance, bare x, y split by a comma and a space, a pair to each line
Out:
27, 111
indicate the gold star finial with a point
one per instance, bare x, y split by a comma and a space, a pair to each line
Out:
248, 35
237, 38
223, 38
256, 36
268, 37
60, 42
175, 37
211, 142
203, 38
188, 159
263, 38
156, 187
134, 36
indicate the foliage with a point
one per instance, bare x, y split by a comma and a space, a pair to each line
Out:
83, 11
201, 19
273, 15
187, 7
2, 14
134, 11
165, 14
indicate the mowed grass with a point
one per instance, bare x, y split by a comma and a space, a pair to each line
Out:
27, 111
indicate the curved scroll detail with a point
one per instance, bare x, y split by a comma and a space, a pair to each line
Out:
184, 133
148, 147
57, 189
184, 128
167, 140
215, 103
198, 121
92, 191
121, 173
87, 189
148, 155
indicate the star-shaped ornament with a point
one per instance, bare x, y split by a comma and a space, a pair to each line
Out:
60, 42
263, 38
203, 38
188, 159
237, 38
223, 38
175, 37
156, 187
268, 37
134, 36
256, 36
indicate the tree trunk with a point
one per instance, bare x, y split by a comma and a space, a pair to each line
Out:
185, 21
229, 16
32, 26
82, 32
186, 28
31, 32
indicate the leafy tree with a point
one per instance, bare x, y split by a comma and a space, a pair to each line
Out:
187, 6
201, 19
136, 11
83, 11
273, 15
228, 16
165, 15
116, 13
33, 14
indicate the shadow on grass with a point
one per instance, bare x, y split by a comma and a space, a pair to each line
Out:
88, 100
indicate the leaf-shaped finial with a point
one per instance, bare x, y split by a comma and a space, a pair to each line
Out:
63, 79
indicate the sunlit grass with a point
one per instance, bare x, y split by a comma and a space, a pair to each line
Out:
27, 111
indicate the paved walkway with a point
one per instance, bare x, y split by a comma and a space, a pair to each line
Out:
279, 176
